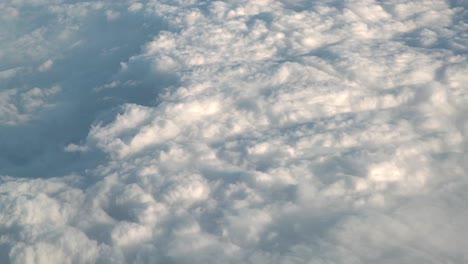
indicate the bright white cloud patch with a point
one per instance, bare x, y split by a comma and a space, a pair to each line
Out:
233, 132
46, 66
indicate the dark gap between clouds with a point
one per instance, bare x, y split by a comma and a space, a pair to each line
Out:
36, 149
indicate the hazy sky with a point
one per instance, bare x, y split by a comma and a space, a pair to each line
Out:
242, 131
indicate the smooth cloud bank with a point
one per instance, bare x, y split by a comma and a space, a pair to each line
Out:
269, 131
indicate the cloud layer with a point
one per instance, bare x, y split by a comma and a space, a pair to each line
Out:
269, 131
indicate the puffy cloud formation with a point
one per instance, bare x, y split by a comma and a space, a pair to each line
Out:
267, 131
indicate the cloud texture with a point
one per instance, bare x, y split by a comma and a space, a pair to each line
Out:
267, 131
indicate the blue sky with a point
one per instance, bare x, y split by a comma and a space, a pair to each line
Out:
269, 131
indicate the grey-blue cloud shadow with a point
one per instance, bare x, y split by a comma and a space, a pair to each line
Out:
36, 148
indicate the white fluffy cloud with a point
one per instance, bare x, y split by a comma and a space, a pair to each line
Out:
20, 106
233, 132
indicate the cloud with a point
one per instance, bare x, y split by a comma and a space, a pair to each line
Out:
20, 106
233, 131
112, 15
8, 12
47, 65
135, 7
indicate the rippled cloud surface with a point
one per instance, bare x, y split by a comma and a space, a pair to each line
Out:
266, 131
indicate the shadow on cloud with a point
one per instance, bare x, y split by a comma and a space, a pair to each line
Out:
93, 85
